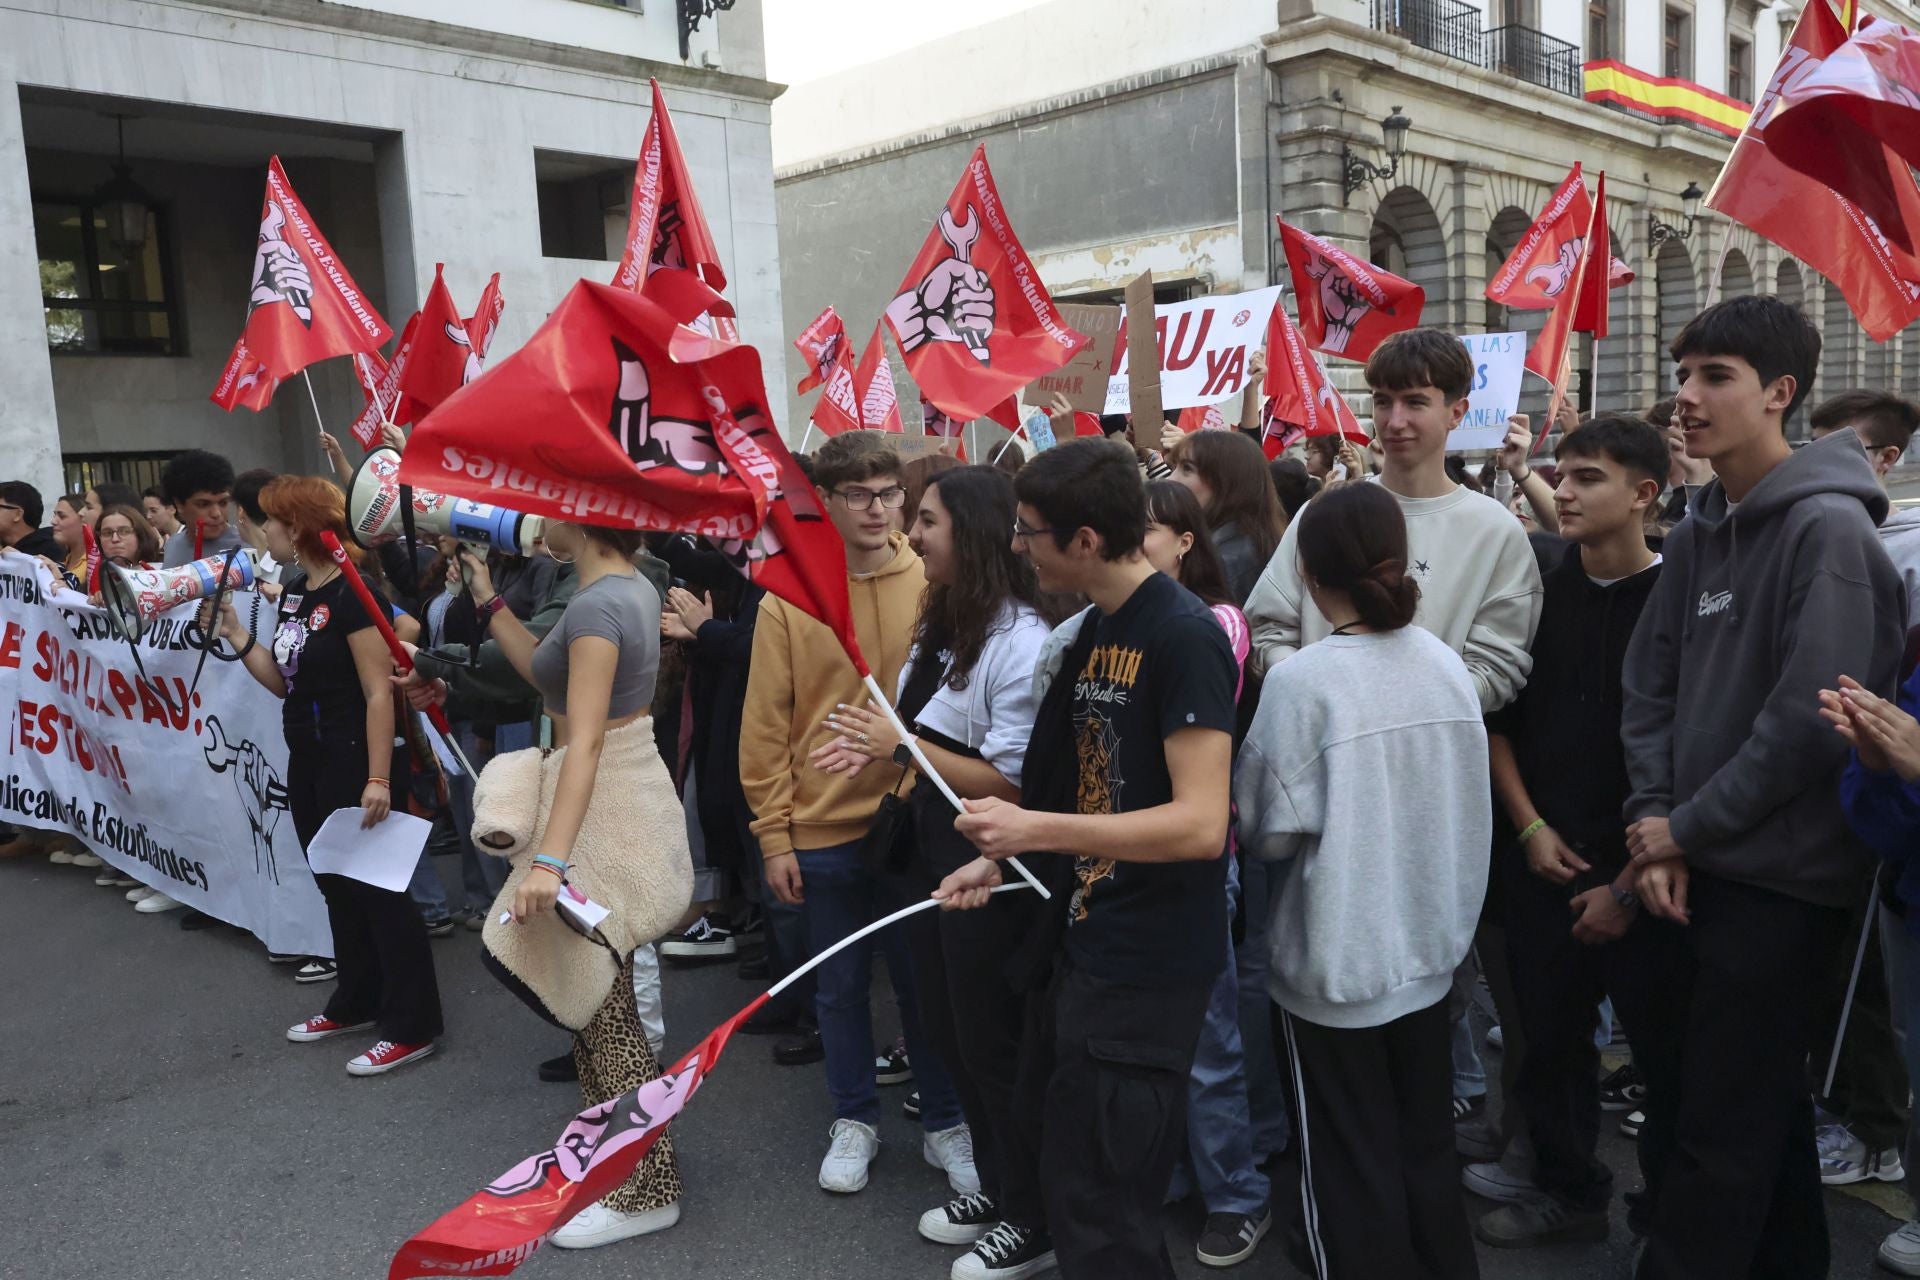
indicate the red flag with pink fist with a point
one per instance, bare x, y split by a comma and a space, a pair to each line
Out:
665, 225
1347, 306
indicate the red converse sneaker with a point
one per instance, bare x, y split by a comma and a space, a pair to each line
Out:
385, 1056
320, 1026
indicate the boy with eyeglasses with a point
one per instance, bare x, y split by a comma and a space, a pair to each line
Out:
810, 824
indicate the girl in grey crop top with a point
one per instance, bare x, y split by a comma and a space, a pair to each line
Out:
623, 608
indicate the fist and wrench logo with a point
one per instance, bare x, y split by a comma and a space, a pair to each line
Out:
954, 302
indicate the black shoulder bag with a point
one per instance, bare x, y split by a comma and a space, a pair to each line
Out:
887, 848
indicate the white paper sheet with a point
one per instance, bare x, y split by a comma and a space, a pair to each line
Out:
383, 855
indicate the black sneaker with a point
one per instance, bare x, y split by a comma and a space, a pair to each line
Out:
800, 1050
559, 1070
960, 1221
708, 938
1230, 1238
911, 1107
440, 928
892, 1066
1005, 1253
1540, 1220
317, 970
1623, 1090
1631, 1122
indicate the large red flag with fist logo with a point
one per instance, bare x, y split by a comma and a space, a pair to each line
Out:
665, 226
1346, 305
437, 364
302, 305
1541, 267
972, 320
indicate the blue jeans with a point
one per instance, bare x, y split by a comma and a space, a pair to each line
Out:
426, 890
1219, 1139
842, 897
481, 874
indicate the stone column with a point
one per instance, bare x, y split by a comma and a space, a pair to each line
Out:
29, 431
1467, 226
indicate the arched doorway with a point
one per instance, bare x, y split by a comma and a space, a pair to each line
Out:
1736, 275
1789, 285
1406, 239
1674, 283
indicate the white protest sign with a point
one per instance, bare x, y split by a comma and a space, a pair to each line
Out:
1498, 362
1205, 345
181, 786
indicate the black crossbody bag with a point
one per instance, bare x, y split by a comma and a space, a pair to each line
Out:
887, 848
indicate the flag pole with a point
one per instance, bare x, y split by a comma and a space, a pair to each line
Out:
1846, 1008
319, 422
1011, 437
1719, 268
933, 775
806, 436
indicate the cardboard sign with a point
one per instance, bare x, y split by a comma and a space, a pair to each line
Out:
909, 447
1083, 379
1204, 348
1498, 360
1143, 357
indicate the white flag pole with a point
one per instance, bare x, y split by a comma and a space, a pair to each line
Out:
875, 927
805, 436
932, 774
320, 423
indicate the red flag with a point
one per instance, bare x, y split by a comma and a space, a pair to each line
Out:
303, 305
1541, 266
1087, 424
873, 384
494, 1232
665, 227
1830, 233
437, 366
1203, 417
971, 318
820, 344
823, 344
1276, 437
1007, 414
481, 327
1346, 306
642, 423
244, 381
383, 396
1590, 309
1549, 352
1297, 388
1853, 123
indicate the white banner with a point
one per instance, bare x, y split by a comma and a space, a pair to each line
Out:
179, 785
1205, 344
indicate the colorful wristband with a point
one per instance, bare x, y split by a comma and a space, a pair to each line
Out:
548, 866
381, 782
486, 611
1533, 829
557, 865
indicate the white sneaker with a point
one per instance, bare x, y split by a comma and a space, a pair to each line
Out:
597, 1225
156, 902
139, 892
1900, 1252
951, 1151
88, 861
60, 854
854, 1147
1498, 1183
1845, 1160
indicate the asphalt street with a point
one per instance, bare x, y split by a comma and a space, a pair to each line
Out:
159, 1127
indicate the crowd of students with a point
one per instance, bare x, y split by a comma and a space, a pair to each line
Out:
1302, 752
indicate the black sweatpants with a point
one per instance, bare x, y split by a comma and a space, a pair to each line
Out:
1558, 983
1379, 1183
1103, 1090
379, 939
1721, 1015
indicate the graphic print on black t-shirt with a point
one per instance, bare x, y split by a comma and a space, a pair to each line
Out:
1159, 664
310, 648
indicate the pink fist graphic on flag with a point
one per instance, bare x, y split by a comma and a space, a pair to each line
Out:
1340, 303
953, 302
278, 273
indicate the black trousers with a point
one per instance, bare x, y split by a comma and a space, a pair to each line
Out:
1379, 1182
1102, 1099
1870, 1084
1722, 1016
1558, 984
379, 939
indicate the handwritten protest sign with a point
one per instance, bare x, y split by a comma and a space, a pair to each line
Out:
1083, 379
1498, 360
1205, 345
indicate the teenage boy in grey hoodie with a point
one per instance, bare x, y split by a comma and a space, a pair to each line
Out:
1885, 424
1774, 585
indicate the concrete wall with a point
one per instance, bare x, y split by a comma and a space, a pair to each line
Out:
457, 119
642, 31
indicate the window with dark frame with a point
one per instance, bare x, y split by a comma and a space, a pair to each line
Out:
1678, 38
1599, 30
1740, 69
96, 302
89, 471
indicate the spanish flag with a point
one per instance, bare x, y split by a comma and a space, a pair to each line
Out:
1665, 97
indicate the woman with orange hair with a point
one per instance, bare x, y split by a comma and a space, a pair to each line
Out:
331, 668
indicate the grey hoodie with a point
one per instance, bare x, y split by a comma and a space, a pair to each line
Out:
1760, 606
1900, 535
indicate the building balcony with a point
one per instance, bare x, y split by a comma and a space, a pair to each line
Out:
1535, 57
1451, 27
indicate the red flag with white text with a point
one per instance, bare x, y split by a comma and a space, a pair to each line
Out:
481, 327
1346, 305
1831, 234
665, 225
823, 345
873, 384
971, 317
1549, 353
1540, 268
437, 365
383, 395
244, 381
302, 305
1297, 388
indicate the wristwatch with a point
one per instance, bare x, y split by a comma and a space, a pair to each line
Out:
902, 756
1627, 899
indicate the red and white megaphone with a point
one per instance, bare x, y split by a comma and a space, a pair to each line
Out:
373, 512
135, 597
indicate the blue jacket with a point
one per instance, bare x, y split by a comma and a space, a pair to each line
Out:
1885, 813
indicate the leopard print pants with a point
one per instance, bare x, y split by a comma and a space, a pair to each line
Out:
614, 1057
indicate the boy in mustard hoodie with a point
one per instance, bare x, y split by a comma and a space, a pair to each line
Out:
810, 823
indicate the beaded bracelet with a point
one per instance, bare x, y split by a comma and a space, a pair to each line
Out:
1533, 828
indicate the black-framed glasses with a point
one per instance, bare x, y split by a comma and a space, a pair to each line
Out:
1021, 533
860, 499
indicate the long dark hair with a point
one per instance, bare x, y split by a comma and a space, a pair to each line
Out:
1354, 539
1173, 505
957, 617
1235, 469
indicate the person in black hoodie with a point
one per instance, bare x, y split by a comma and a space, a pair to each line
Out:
1774, 585
1560, 779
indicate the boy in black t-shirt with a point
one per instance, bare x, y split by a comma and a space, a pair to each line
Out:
1128, 774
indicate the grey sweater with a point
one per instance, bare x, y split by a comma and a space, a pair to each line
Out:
1758, 608
1365, 776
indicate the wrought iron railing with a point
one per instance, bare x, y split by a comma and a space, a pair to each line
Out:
1451, 27
1535, 57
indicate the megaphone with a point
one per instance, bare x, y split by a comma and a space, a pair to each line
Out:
135, 597
373, 512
